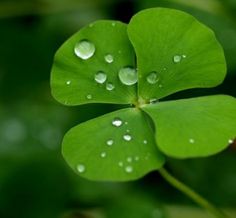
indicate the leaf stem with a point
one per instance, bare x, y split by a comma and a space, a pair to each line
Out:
191, 194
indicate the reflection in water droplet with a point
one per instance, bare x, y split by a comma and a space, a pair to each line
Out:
127, 137
80, 168
128, 76
109, 86
110, 142
100, 77
177, 58
89, 96
103, 154
191, 141
68, 82
129, 169
109, 58
84, 49
153, 77
117, 122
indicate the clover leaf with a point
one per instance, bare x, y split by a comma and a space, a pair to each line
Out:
161, 51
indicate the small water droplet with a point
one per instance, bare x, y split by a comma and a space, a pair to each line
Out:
100, 77
153, 77
109, 86
184, 56
177, 58
128, 76
91, 25
117, 122
80, 168
110, 142
129, 169
84, 49
160, 86
145, 141
191, 141
127, 130
121, 164
136, 158
153, 100
164, 68
119, 51
89, 96
68, 82
109, 58
127, 137
103, 154
129, 159
126, 123
231, 141
113, 23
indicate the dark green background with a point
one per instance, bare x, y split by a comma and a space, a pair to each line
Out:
35, 182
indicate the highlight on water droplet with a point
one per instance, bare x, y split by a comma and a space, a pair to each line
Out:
68, 82
84, 49
128, 169
177, 58
128, 76
191, 141
117, 122
100, 77
110, 142
109, 58
103, 154
89, 96
153, 77
127, 137
109, 86
80, 168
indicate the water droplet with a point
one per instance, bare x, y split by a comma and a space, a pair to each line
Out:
153, 100
117, 122
80, 168
184, 56
91, 25
128, 76
231, 141
126, 123
109, 58
110, 142
100, 77
145, 141
136, 158
177, 58
127, 130
191, 141
84, 49
127, 137
113, 23
160, 86
129, 169
103, 154
164, 68
68, 82
89, 96
119, 51
153, 77
121, 164
129, 159
109, 86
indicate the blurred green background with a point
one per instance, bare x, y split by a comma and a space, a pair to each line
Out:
35, 182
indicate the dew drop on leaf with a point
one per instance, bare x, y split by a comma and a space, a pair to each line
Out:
127, 137
68, 82
129, 169
109, 86
128, 76
80, 168
84, 49
136, 158
109, 58
117, 122
100, 77
121, 164
177, 58
191, 141
110, 142
89, 96
145, 141
153, 77
129, 159
103, 154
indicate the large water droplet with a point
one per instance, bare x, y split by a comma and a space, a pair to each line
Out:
84, 49
100, 77
109, 86
103, 154
127, 137
177, 58
80, 168
128, 76
109, 58
117, 122
110, 142
153, 77
129, 169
